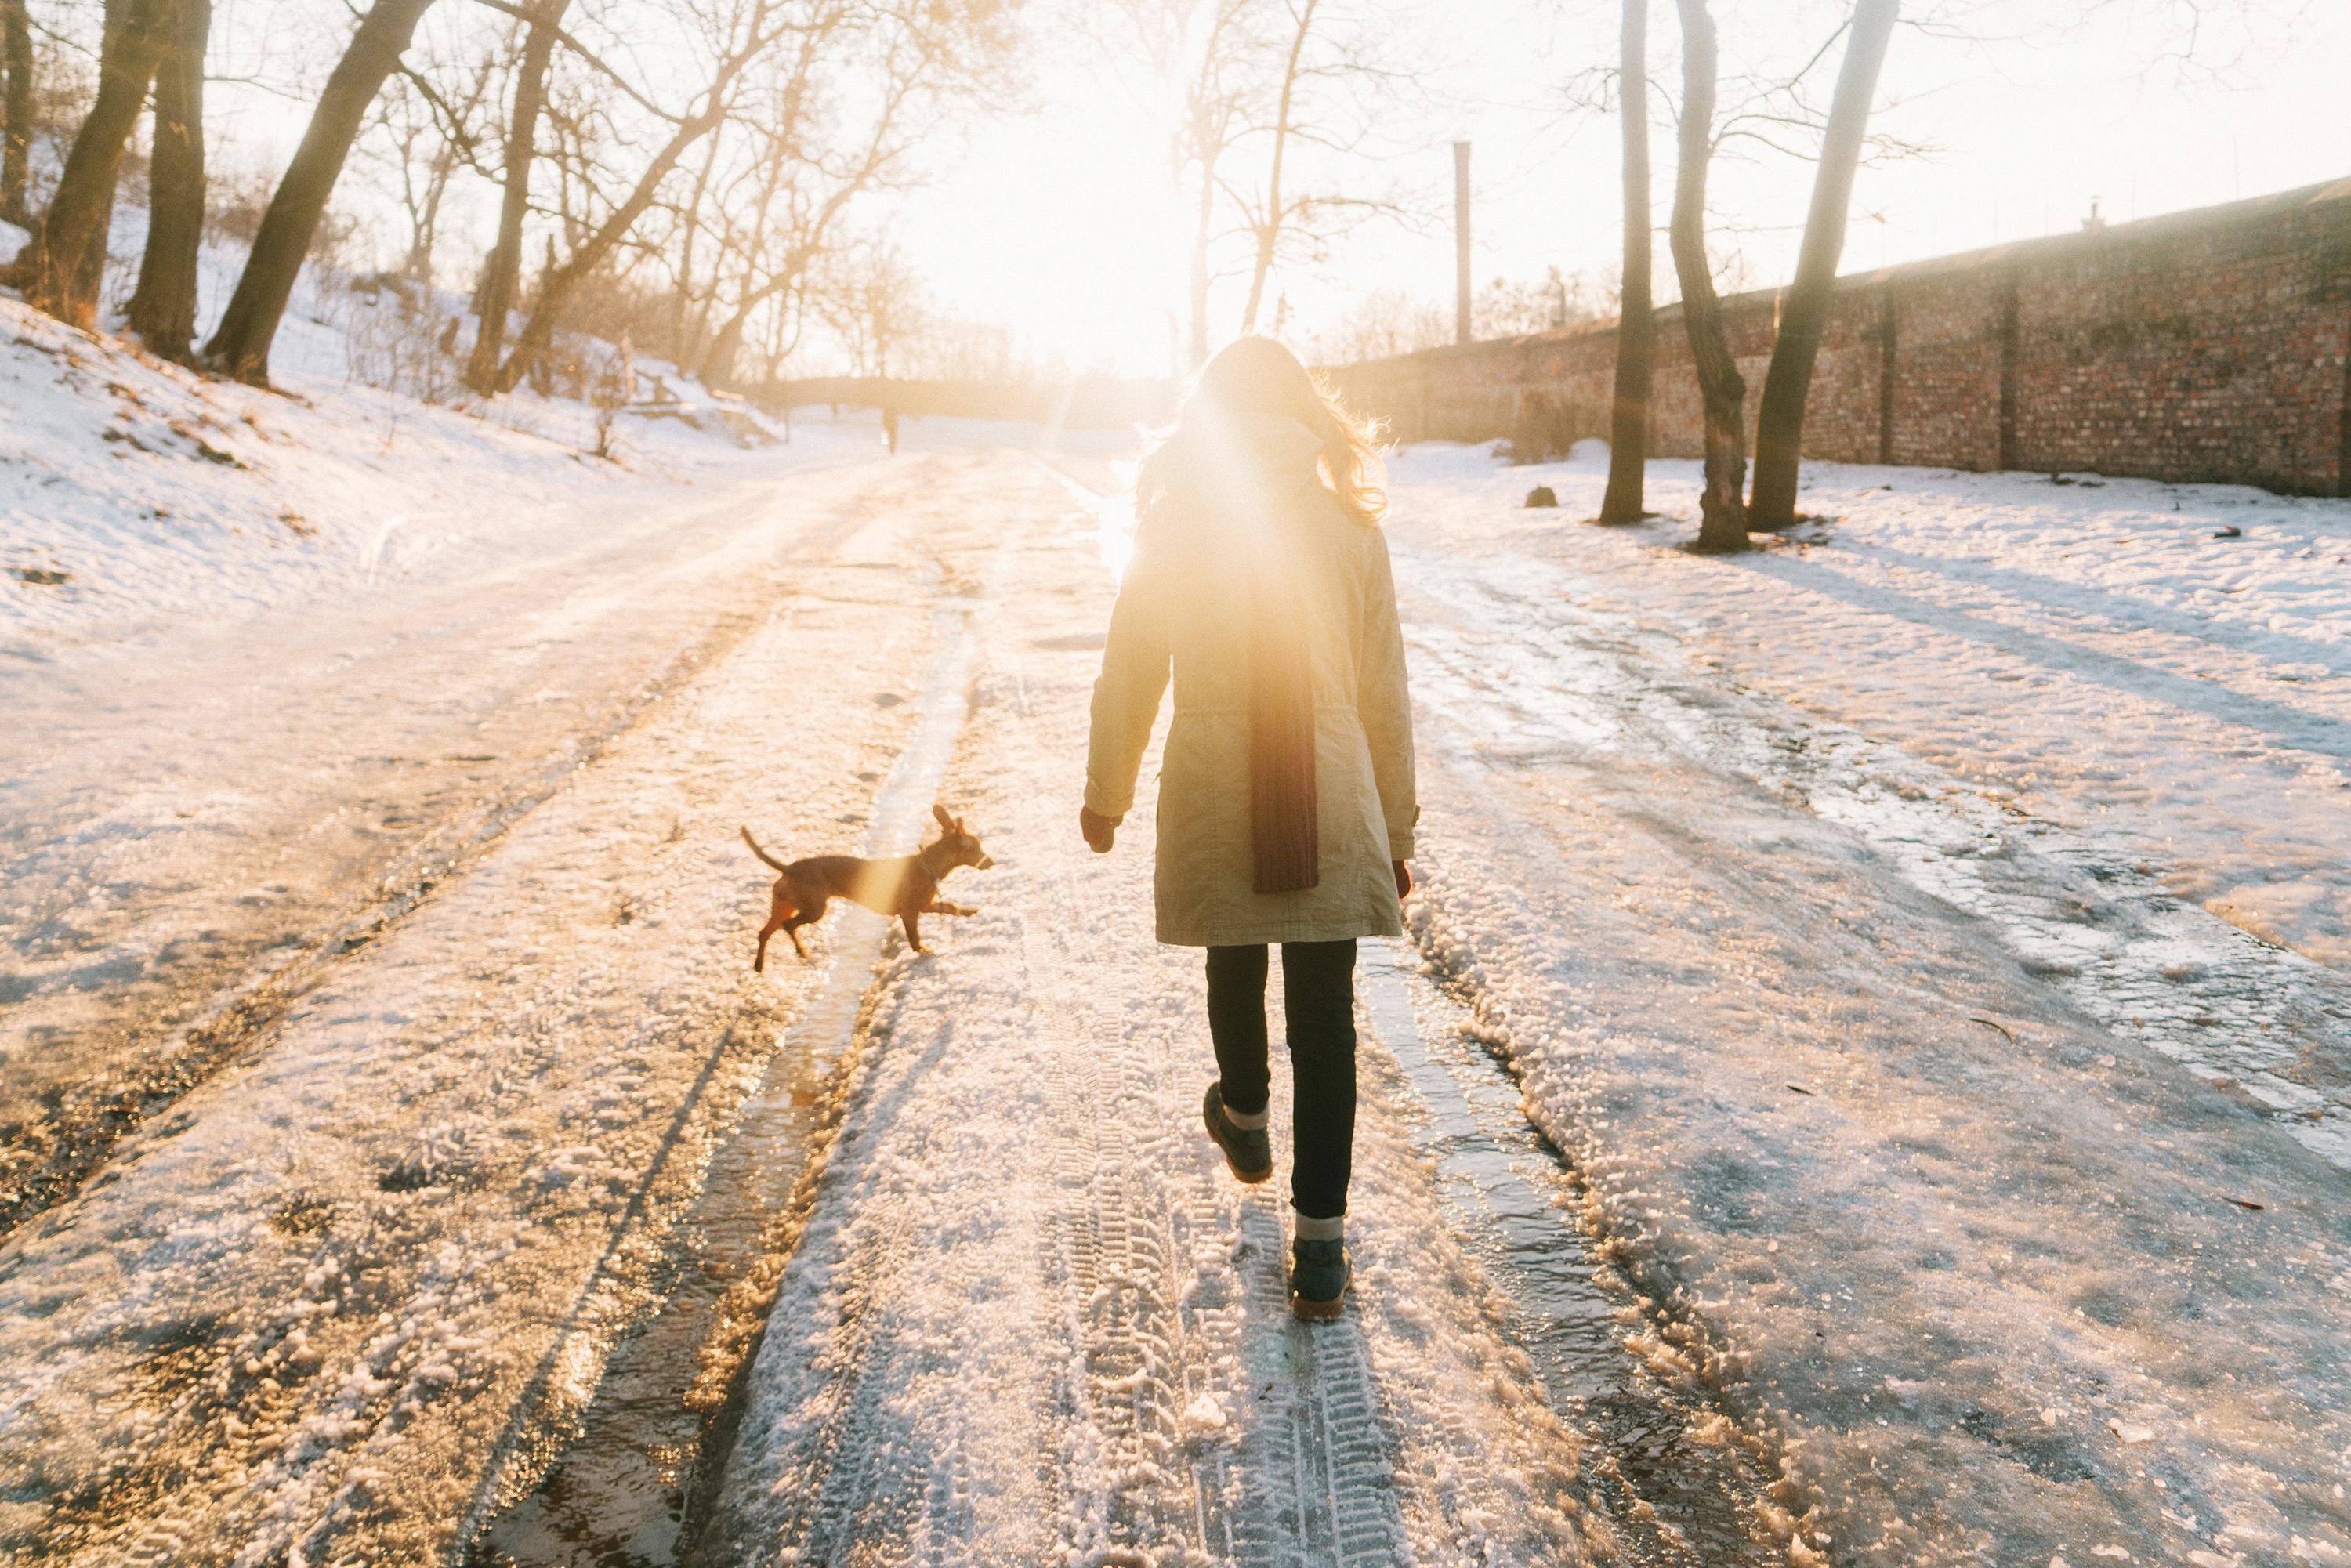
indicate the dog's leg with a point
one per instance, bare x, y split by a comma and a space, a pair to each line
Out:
941, 906
804, 917
914, 932
779, 912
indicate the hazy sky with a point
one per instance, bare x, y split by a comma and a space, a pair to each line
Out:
1061, 225
1056, 218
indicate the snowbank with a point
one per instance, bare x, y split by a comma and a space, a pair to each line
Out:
1823, 900
131, 489
2166, 666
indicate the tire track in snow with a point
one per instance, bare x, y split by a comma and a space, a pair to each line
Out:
1115, 1230
1985, 1266
1089, 1355
2261, 1024
638, 1479
1311, 1480
243, 1329
238, 995
1672, 1502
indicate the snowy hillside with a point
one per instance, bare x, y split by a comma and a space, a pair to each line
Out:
1838, 908
130, 488
2163, 669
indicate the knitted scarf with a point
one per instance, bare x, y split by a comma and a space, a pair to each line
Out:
1283, 844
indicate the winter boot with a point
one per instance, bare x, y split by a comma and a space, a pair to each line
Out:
1247, 1148
1319, 1270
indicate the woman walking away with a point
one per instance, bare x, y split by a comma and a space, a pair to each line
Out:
1286, 803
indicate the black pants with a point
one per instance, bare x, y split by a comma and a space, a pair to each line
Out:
1318, 986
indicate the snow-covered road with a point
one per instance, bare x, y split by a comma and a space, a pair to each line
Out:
372, 1260
200, 814
1778, 1143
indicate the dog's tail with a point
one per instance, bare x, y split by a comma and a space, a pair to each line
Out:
762, 853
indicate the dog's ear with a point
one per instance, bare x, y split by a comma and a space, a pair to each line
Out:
945, 821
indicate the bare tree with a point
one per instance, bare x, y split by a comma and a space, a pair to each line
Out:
1286, 78
240, 346
60, 268
690, 321
814, 157
163, 310
1780, 417
764, 22
873, 302
1267, 222
425, 135
814, 104
1722, 511
543, 22
1636, 330
15, 110
1510, 307
1212, 121
1384, 323
1309, 86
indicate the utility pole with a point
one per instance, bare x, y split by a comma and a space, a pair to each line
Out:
1461, 242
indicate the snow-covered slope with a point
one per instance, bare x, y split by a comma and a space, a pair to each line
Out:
1828, 903
2164, 669
131, 489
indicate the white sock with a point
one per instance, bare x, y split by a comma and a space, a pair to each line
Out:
1312, 1230
1247, 1124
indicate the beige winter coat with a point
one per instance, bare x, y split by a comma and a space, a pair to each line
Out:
1183, 601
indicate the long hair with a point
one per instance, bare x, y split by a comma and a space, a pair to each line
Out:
1256, 375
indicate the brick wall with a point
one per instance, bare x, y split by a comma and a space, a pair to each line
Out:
2211, 345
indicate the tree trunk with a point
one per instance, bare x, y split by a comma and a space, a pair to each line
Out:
685, 336
425, 228
555, 290
716, 368
241, 345
1199, 279
1722, 510
163, 312
90, 273
16, 114
52, 270
717, 371
1636, 328
1780, 417
504, 273
1268, 233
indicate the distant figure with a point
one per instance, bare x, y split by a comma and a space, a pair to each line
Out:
1285, 798
890, 420
1542, 496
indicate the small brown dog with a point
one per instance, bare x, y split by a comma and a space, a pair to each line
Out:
906, 887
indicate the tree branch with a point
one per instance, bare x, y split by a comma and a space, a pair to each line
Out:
585, 53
